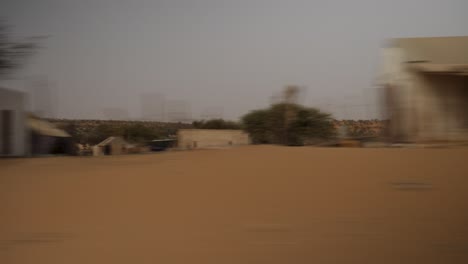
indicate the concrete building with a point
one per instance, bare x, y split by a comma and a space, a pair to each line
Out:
110, 146
47, 139
211, 138
23, 134
14, 140
426, 89
178, 111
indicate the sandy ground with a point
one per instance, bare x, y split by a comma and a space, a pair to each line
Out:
256, 204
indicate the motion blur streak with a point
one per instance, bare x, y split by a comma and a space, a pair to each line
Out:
232, 132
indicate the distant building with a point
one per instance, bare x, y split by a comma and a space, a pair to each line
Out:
211, 138
212, 113
426, 89
13, 130
43, 97
152, 107
178, 111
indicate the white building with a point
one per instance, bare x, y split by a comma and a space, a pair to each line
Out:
152, 107
14, 139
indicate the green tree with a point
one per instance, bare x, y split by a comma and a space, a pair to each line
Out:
288, 124
257, 123
138, 133
216, 124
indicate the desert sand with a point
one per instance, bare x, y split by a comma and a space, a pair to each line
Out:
255, 204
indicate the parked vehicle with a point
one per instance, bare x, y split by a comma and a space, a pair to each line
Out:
162, 144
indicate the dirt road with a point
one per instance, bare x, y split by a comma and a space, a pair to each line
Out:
256, 204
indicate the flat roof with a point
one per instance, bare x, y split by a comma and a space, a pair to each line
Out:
452, 69
439, 50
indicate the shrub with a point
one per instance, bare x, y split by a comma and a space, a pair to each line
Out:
288, 124
216, 124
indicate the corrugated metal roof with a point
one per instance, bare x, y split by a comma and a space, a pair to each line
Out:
45, 128
109, 140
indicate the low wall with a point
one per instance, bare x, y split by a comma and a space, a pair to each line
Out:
211, 138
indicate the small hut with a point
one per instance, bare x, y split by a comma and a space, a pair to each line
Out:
110, 146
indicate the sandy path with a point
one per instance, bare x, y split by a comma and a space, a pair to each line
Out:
256, 204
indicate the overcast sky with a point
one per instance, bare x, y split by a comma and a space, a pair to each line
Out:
218, 54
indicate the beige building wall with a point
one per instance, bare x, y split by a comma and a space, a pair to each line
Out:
442, 108
116, 146
424, 106
211, 138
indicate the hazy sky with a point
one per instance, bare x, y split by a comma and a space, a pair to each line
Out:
217, 53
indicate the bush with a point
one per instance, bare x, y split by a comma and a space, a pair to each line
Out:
102, 132
135, 133
139, 133
257, 124
216, 124
288, 124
